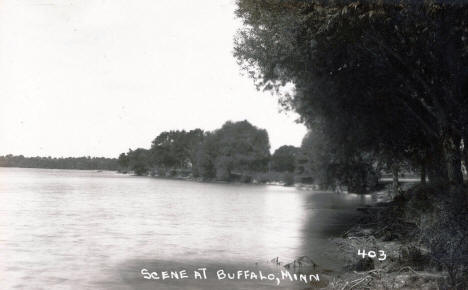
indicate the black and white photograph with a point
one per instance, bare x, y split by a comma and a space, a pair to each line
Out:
233, 144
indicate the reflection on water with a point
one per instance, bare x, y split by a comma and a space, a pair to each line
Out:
82, 229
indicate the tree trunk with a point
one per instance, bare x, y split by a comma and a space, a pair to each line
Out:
452, 157
465, 159
465, 151
436, 167
395, 183
423, 172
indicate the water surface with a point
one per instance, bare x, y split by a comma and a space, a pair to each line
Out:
70, 229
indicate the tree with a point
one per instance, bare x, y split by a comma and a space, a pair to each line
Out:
236, 148
167, 150
195, 139
82, 163
123, 162
384, 78
139, 161
331, 165
284, 159
175, 149
205, 157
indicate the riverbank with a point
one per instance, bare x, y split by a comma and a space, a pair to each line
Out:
421, 236
281, 179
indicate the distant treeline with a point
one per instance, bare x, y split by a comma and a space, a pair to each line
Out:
239, 151
84, 163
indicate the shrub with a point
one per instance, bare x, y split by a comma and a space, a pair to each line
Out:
288, 179
442, 226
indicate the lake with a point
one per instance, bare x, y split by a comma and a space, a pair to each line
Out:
71, 229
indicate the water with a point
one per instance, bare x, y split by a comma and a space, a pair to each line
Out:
69, 229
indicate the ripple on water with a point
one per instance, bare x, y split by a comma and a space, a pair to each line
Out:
86, 230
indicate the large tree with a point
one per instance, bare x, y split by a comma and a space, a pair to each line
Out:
386, 77
175, 149
236, 148
284, 159
138, 161
333, 165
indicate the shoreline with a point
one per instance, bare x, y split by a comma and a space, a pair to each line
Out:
214, 181
405, 266
304, 186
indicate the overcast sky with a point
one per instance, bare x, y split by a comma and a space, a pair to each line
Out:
96, 77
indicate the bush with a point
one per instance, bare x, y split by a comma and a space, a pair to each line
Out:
288, 179
413, 257
246, 178
261, 177
365, 264
442, 227
265, 177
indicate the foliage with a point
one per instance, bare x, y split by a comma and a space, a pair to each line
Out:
234, 151
441, 225
288, 178
284, 159
387, 78
236, 148
85, 163
139, 161
175, 149
123, 162
205, 158
331, 165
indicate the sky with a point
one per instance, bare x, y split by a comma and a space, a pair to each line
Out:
97, 77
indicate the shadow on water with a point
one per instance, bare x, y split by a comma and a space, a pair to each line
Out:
331, 214
328, 215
